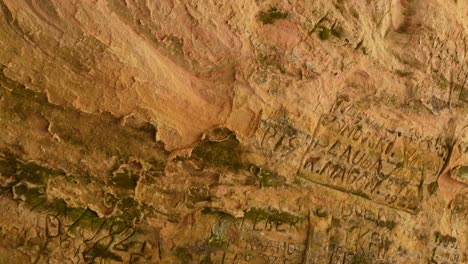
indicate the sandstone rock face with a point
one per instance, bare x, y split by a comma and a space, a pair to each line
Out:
170, 131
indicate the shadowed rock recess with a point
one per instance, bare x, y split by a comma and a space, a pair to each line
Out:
247, 131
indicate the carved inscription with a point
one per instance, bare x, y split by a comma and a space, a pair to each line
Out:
360, 233
445, 250
350, 153
282, 142
262, 235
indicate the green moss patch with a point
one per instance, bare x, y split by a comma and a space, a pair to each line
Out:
100, 250
267, 178
216, 242
440, 80
360, 258
183, 254
462, 172
131, 210
20, 170
324, 33
125, 180
35, 196
272, 215
225, 152
270, 16
88, 219
176, 44
216, 212
404, 73
97, 134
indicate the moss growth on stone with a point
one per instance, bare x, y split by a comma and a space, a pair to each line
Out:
176, 44
20, 190
22, 103
19, 92
72, 213
267, 178
117, 226
216, 242
404, 73
96, 133
183, 254
440, 80
273, 215
224, 153
33, 173
387, 224
125, 180
35, 196
100, 251
324, 33
131, 210
30, 184
432, 188
462, 172
31, 195
360, 258
157, 167
270, 16
90, 220
217, 212
58, 207
8, 165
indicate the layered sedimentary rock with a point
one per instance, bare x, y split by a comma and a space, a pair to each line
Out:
233, 131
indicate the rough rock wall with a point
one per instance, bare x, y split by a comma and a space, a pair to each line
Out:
233, 131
